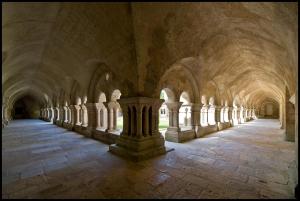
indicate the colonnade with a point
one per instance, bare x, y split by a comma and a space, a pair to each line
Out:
103, 116
140, 122
205, 119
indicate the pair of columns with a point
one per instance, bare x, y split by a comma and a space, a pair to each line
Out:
47, 114
99, 118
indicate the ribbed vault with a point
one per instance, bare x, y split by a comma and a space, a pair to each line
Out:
247, 50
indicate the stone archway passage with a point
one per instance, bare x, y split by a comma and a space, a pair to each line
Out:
252, 161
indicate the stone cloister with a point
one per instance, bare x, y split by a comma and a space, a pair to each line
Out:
99, 69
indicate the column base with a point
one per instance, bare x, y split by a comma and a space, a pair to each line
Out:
86, 131
59, 123
242, 121
223, 125
139, 149
202, 131
176, 135
235, 122
107, 138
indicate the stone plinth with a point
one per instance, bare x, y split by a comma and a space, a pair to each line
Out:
140, 138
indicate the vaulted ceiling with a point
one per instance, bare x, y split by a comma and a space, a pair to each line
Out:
248, 50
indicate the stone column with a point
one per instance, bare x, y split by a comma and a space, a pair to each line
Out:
51, 114
139, 108
290, 121
5, 119
195, 108
109, 117
238, 117
230, 117
77, 115
98, 117
217, 116
61, 116
146, 123
115, 118
84, 117
65, 114
126, 120
253, 114
69, 115
92, 117
46, 114
72, 115
55, 112
42, 113
245, 114
138, 146
242, 116
172, 133
7, 114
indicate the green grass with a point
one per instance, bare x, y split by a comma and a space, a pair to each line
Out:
163, 123
120, 123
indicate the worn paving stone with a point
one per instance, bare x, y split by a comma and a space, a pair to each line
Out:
46, 161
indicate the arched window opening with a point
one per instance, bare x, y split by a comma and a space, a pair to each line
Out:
164, 119
185, 111
222, 115
69, 115
211, 112
84, 112
242, 114
119, 122
66, 112
101, 112
56, 112
117, 113
226, 118
78, 120
203, 113
234, 115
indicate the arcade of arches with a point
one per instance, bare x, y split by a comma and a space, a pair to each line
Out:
152, 81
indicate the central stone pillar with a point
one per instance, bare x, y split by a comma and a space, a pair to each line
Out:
253, 114
218, 116
84, 116
92, 109
230, 116
195, 107
51, 114
61, 116
238, 117
139, 139
56, 117
73, 116
290, 121
242, 114
172, 133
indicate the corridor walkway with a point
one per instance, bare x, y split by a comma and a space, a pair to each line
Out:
41, 160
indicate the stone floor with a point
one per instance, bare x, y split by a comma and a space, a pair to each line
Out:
41, 160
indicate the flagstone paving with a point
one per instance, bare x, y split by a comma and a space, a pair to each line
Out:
251, 160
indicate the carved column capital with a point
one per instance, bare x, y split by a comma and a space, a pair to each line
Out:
174, 106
